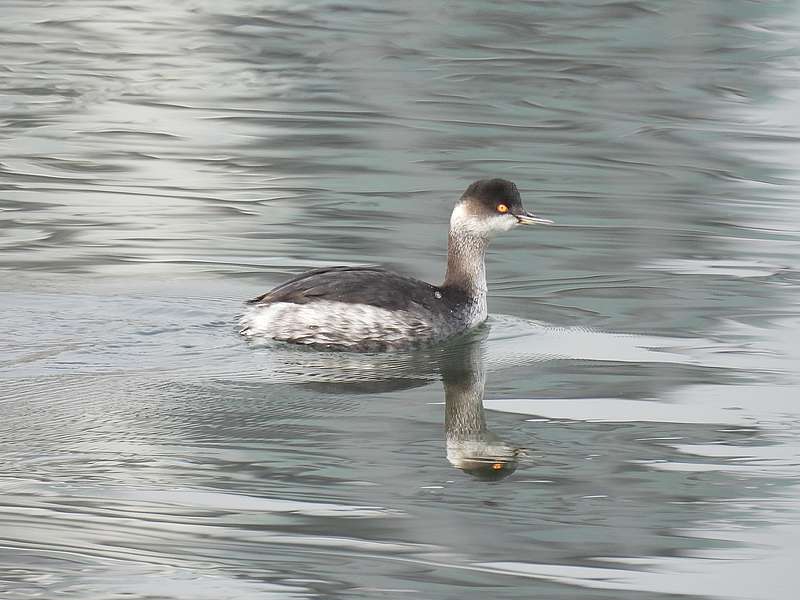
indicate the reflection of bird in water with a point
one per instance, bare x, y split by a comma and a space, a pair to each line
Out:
471, 447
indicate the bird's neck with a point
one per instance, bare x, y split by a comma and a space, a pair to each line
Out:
466, 269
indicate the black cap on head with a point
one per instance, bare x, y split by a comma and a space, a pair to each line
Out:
493, 191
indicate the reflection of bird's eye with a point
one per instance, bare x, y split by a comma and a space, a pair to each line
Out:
497, 466
502, 208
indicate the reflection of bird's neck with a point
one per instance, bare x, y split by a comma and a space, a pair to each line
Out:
470, 446
463, 393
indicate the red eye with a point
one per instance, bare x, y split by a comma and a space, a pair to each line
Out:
502, 208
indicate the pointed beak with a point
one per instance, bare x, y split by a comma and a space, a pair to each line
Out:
527, 218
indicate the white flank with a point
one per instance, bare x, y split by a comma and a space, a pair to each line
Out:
326, 322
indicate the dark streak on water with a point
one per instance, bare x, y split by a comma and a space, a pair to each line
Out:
163, 161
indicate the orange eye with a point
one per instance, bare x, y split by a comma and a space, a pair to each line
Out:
498, 466
502, 208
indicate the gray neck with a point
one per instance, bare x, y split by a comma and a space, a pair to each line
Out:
465, 263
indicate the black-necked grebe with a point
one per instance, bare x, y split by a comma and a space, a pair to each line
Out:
370, 309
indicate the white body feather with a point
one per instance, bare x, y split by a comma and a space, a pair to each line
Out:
345, 325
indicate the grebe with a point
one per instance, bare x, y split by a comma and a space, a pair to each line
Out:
367, 309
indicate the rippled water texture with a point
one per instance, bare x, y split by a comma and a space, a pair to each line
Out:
627, 427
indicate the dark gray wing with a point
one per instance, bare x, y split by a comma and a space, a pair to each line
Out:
356, 285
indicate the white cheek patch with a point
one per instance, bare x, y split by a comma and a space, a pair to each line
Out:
463, 221
508, 222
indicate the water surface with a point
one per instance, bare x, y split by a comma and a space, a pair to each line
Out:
637, 380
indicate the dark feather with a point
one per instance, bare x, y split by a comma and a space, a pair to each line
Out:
360, 285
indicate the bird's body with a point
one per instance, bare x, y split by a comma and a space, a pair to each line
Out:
372, 309
362, 309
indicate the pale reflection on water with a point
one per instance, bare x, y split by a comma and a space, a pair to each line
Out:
636, 382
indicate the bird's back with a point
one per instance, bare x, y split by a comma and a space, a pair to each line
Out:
371, 286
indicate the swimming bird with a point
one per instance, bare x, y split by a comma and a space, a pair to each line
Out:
369, 309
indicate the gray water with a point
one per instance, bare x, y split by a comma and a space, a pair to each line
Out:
639, 374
